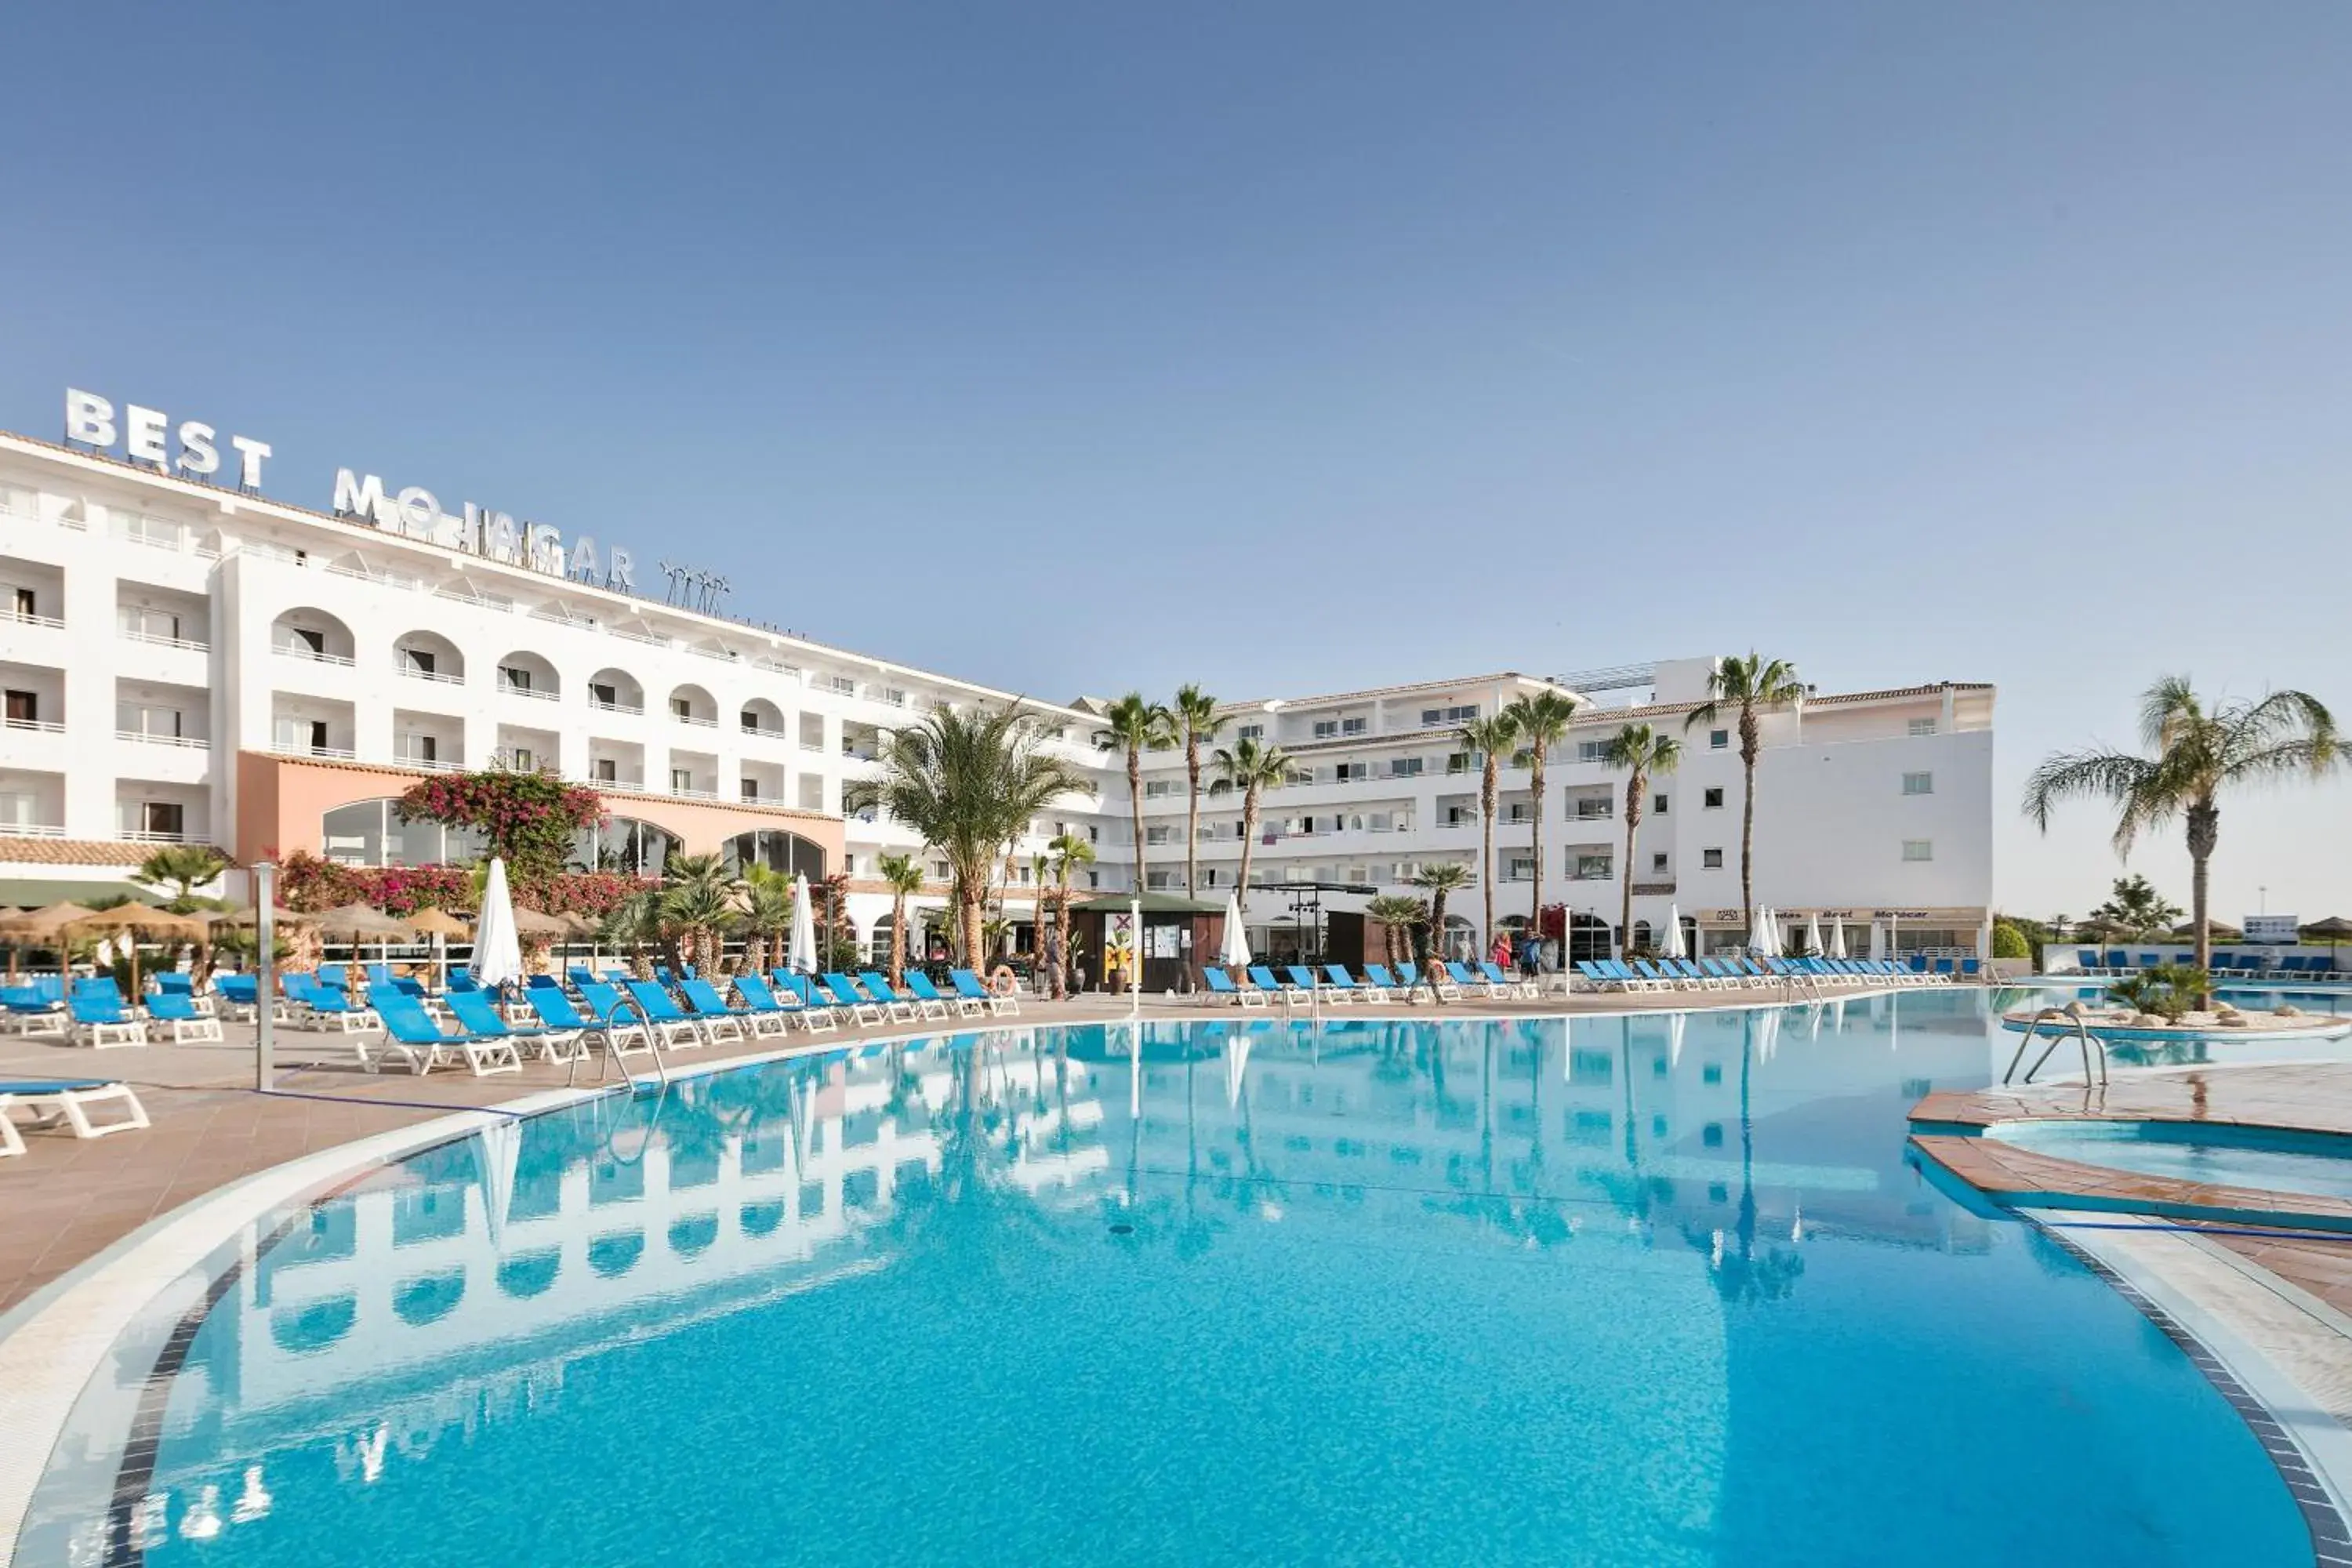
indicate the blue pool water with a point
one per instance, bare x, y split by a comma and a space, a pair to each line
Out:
1639, 1291
2276, 1161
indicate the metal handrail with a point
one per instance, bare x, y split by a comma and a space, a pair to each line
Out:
612, 1055
2081, 1031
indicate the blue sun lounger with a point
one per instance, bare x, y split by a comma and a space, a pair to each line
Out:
967, 985
478, 1014
65, 1100
411, 1035
1222, 989
862, 1008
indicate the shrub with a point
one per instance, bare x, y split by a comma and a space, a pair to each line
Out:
2008, 942
528, 819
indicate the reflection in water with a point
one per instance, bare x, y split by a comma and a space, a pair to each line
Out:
464, 1290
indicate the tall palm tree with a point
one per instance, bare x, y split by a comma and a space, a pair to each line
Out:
697, 906
767, 913
1753, 686
1196, 720
1493, 739
1437, 879
2196, 751
969, 783
1136, 726
1641, 751
1543, 718
1248, 767
904, 875
1069, 851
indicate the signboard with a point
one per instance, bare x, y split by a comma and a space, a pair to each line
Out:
2272, 929
191, 450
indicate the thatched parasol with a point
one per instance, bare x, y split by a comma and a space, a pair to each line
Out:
250, 917
2335, 927
140, 920
437, 923
38, 927
532, 922
360, 922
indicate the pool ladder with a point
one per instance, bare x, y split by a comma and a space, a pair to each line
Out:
2059, 1018
609, 1032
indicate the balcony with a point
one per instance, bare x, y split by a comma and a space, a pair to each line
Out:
184, 644
684, 793
302, 748
536, 694
150, 738
697, 720
26, 619
413, 673
151, 836
37, 726
634, 709
32, 830
309, 655
424, 764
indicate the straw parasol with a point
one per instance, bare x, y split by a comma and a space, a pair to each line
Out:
278, 913
360, 922
440, 925
533, 923
2335, 927
137, 920
37, 927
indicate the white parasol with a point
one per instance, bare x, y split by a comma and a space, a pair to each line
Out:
1837, 939
497, 951
1813, 934
803, 955
1674, 943
1235, 953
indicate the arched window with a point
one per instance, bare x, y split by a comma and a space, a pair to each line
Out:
624, 843
691, 704
779, 851
615, 691
428, 656
314, 635
375, 833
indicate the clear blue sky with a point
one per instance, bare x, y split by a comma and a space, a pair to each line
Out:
1290, 347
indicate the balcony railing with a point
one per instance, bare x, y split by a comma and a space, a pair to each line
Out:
602, 706
304, 749
151, 836
192, 743
309, 655
185, 645
32, 830
39, 726
697, 720
687, 794
26, 619
428, 765
534, 692
414, 673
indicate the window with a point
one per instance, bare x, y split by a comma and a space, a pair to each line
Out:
749, 719
1094, 834
681, 707
311, 639
1523, 758
1921, 728
1712, 800
1405, 768
1352, 773
1657, 865
1586, 866
162, 819
1155, 835
24, 707
1918, 849
425, 748
1457, 763
418, 661
607, 771
602, 694
1431, 717
1158, 789
1519, 868
1460, 815
1208, 875
520, 759
895, 696
841, 684
1718, 740
1657, 805
1590, 751
1918, 784
27, 606
1325, 729
750, 789
515, 678
681, 780
1711, 859
1094, 878
1354, 726
1250, 732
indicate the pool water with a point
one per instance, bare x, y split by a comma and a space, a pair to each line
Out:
2276, 1162
1657, 1290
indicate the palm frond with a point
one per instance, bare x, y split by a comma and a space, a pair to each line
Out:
2070, 775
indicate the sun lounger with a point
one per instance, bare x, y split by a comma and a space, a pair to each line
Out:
816, 1013
706, 1007
410, 1034
1390, 987
320, 1006
928, 997
1465, 984
557, 1013
477, 1015
968, 984
879, 986
863, 1009
98, 1021
68, 1100
1500, 983
1307, 983
173, 1019
1345, 988
670, 1026
1222, 988
761, 1013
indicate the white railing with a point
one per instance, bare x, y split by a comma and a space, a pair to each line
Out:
428, 765
309, 655
185, 645
775, 666
694, 794
302, 748
561, 617
140, 536
633, 781
602, 706
534, 693
203, 552
151, 836
40, 726
32, 830
773, 732
26, 619
724, 656
413, 673
696, 719
148, 737
649, 639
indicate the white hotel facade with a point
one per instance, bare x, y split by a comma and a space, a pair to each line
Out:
188, 661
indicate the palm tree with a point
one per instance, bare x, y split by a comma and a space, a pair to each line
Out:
1641, 751
1069, 851
904, 874
2197, 750
767, 900
969, 783
1492, 740
183, 867
1249, 767
1752, 685
1437, 879
1196, 720
697, 906
1396, 912
1543, 718
1135, 726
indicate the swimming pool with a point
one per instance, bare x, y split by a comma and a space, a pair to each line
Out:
1654, 1289
2272, 1160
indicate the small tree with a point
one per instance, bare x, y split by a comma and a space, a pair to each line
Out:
1397, 914
1438, 878
529, 819
2135, 911
182, 869
904, 874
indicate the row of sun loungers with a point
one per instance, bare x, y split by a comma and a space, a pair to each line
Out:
2114, 962
1735, 974
1333, 985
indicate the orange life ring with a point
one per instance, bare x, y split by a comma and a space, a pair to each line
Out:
1000, 979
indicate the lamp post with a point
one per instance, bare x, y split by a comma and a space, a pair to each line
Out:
265, 990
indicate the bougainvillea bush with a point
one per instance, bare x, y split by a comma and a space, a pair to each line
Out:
308, 884
529, 819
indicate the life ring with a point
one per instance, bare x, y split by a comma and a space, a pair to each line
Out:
1000, 979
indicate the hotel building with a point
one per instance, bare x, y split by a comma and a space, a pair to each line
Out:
188, 662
